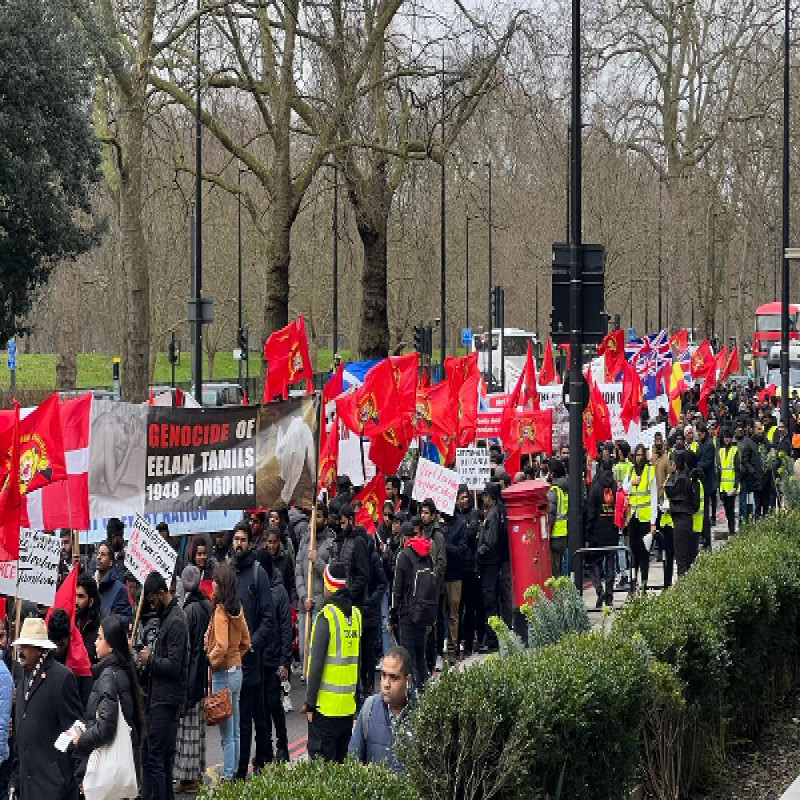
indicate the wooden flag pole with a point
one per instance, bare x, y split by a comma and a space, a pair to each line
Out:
138, 614
312, 545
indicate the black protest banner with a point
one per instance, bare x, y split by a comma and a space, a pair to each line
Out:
199, 459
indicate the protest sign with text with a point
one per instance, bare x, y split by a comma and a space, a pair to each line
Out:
35, 575
437, 483
148, 551
473, 467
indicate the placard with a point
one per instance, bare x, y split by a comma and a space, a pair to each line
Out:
148, 551
473, 467
35, 575
437, 483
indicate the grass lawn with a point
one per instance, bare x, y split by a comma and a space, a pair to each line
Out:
38, 370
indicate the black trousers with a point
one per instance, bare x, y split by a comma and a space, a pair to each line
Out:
490, 585
329, 737
669, 553
275, 715
641, 558
472, 615
412, 637
158, 752
251, 710
368, 659
685, 542
729, 502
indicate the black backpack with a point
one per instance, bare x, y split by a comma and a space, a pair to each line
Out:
423, 605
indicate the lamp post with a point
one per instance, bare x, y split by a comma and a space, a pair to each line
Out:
576, 466
442, 250
335, 258
239, 331
466, 277
660, 218
785, 266
198, 228
489, 379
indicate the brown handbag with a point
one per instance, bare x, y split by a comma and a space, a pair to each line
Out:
217, 706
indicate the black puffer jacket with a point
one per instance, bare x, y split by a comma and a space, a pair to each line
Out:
679, 491
169, 660
111, 687
351, 550
198, 614
279, 651
371, 612
600, 528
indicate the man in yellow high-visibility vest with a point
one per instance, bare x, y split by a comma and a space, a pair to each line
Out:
333, 669
642, 489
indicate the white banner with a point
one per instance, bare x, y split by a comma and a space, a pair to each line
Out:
147, 551
437, 483
350, 458
35, 575
473, 467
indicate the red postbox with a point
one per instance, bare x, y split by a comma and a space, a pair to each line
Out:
528, 536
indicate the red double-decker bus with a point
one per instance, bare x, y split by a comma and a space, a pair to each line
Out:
768, 333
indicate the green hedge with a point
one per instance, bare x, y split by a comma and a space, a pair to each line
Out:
728, 632
316, 780
565, 714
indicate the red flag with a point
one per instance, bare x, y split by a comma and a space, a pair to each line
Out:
702, 361
371, 498
731, 364
676, 388
467, 410
386, 450
434, 411
679, 341
329, 458
547, 374
632, 395
404, 370
530, 432
150, 398
333, 388
375, 405
66, 504
41, 447
77, 657
596, 421
459, 370
613, 349
179, 398
720, 359
766, 394
525, 394
286, 354
10, 501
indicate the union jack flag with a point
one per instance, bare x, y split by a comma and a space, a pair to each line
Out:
649, 355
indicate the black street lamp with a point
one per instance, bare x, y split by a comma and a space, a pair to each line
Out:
489, 379
785, 269
240, 330
466, 277
198, 228
335, 259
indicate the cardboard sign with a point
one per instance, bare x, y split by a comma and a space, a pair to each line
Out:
437, 483
35, 575
488, 425
473, 467
148, 551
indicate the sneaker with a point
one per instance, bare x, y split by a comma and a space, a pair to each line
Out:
599, 602
287, 703
439, 664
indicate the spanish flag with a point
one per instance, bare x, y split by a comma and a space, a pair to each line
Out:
677, 385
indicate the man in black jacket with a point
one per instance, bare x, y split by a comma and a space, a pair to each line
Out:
276, 663
472, 619
350, 550
457, 554
371, 614
253, 587
87, 613
488, 558
169, 672
706, 455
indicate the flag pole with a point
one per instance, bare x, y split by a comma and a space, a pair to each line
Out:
138, 614
312, 545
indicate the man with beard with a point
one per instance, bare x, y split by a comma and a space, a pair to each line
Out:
87, 613
254, 590
47, 704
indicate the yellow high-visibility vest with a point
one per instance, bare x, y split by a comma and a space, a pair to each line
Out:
727, 476
337, 689
697, 517
562, 506
639, 496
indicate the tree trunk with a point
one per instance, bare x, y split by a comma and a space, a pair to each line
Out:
210, 366
134, 260
373, 332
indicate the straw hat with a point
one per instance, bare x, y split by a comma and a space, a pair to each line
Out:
34, 634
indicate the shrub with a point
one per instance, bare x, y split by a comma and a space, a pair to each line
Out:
316, 780
728, 631
506, 728
549, 619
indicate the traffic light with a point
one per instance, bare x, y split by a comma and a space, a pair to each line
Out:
419, 338
242, 343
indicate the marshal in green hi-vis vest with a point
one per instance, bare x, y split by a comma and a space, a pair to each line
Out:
337, 689
727, 477
697, 517
562, 506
